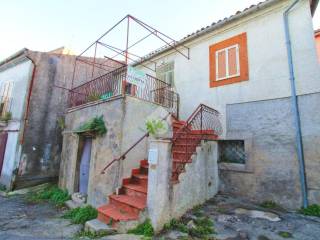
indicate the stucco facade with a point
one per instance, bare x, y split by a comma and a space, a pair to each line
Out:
34, 142
125, 122
268, 80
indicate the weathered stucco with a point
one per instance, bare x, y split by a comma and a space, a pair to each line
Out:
273, 159
125, 121
18, 75
273, 169
197, 184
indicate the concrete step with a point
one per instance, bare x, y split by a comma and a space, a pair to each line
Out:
99, 227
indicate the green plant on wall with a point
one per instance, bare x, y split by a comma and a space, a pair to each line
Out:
94, 126
156, 126
93, 97
61, 123
6, 117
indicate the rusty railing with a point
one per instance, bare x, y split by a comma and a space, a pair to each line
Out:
203, 124
114, 84
123, 156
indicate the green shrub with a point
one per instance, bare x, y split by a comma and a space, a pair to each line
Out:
312, 210
52, 194
6, 117
285, 234
95, 125
155, 126
144, 229
81, 215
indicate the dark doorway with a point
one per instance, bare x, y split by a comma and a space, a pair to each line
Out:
3, 144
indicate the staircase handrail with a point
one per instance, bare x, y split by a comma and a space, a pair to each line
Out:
123, 156
199, 111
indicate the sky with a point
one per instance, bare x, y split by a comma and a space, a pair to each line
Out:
44, 25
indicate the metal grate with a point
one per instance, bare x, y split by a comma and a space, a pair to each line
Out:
232, 151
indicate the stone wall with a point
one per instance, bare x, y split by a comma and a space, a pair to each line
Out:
272, 159
42, 139
125, 120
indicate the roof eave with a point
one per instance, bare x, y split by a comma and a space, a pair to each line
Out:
21, 52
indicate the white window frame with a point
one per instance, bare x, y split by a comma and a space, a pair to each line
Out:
227, 62
164, 75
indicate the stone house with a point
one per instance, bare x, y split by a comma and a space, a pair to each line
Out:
31, 108
243, 120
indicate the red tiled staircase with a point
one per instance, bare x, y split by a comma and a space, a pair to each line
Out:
131, 200
185, 142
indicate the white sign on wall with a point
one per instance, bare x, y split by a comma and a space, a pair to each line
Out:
136, 77
153, 156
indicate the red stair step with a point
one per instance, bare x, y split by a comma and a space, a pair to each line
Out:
136, 202
110, 211
136, 190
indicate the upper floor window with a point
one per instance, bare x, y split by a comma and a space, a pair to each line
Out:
5, 98
229, 61
166, 73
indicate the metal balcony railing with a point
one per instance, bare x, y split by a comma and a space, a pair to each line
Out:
114, 84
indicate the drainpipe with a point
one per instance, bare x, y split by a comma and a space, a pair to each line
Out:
295, 107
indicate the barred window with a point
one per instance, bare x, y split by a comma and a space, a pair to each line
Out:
232, 151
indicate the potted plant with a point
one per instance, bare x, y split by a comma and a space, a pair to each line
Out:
156, 127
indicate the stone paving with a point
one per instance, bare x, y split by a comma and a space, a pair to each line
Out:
20, 220
234, 219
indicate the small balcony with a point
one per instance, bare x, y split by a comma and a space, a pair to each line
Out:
116, 83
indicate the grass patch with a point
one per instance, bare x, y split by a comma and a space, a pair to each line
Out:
204, 227
312, 210
3, 188
81, 215
197, 211
285, 234
144, 229
175, 224
269, 205
52, 194
89, 234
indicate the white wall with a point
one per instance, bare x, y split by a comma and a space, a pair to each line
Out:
20, 76
267, 56
11, 159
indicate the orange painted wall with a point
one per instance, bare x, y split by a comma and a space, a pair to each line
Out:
317, 38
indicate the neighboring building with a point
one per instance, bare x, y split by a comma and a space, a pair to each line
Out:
31, 138
239, 67
317, 38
